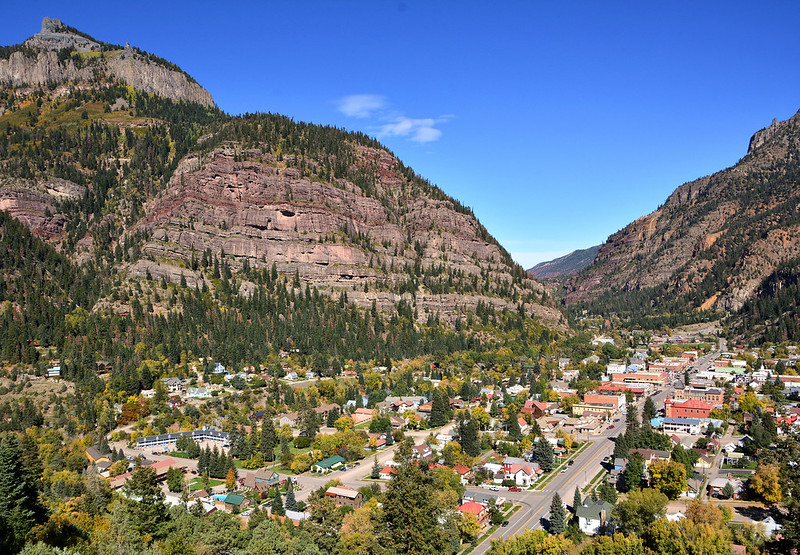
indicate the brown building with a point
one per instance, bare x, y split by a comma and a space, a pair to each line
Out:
343, 496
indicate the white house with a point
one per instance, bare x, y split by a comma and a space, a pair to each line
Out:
198, 393
592, 515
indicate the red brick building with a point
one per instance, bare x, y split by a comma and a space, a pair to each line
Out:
690, 408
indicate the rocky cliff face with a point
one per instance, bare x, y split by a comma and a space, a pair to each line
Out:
714, 240
262, 211
39, 63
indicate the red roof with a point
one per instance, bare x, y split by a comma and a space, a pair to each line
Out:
461, 469
388, 469
693, 404
472, 507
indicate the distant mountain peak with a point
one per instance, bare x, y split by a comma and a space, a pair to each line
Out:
566, 265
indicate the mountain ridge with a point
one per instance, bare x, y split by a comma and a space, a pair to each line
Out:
713, 241
567, 265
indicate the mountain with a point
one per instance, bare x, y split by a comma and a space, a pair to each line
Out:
714, 243
566, 265
59, 54
238, 236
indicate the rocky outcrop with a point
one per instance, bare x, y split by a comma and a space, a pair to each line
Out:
39, 64
255, 208
22, 69
156, 79
714, 240
54, 36
35, 203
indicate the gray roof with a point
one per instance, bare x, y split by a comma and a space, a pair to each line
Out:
688, 421
592, 510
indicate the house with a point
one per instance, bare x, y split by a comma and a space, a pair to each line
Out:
206, 505
704, 463
173, 385
480, 511
717, 485
198, 393
290, 419
464, 472
398, 422
651, 455
54, 372
261, 481
232, 502
422, 451
770, 526
386, 472
94, 455
324, 410
329, 464
592, 516
344, 496
523, 474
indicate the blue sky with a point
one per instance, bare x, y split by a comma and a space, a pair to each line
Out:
558, 122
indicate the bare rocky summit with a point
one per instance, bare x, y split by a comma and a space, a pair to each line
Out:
41, 61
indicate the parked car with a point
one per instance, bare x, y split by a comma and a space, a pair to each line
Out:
611, 427
563, 470
494, 488
505, 523
515, 488
570, 463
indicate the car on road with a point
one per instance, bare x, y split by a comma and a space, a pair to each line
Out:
494, 488
570, 463
505, 523
611, 427
515, 488
563, 470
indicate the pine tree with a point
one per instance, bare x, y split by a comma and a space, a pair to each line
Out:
512, 427
376, 470
291, 502
649, 411
333, 416
268, 439
558, 516
277, 503
621, 448
438, 415
577, 501
544, 455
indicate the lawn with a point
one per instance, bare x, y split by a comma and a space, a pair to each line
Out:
197, 483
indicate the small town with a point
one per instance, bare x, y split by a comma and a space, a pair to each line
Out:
686, 416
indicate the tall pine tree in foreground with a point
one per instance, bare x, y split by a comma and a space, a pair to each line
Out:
19, 505
558, 516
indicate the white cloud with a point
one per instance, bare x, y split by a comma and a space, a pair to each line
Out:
361, 105
388, 122
417, 130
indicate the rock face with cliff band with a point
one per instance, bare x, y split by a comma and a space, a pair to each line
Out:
713, 242
59, 54
123, 162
